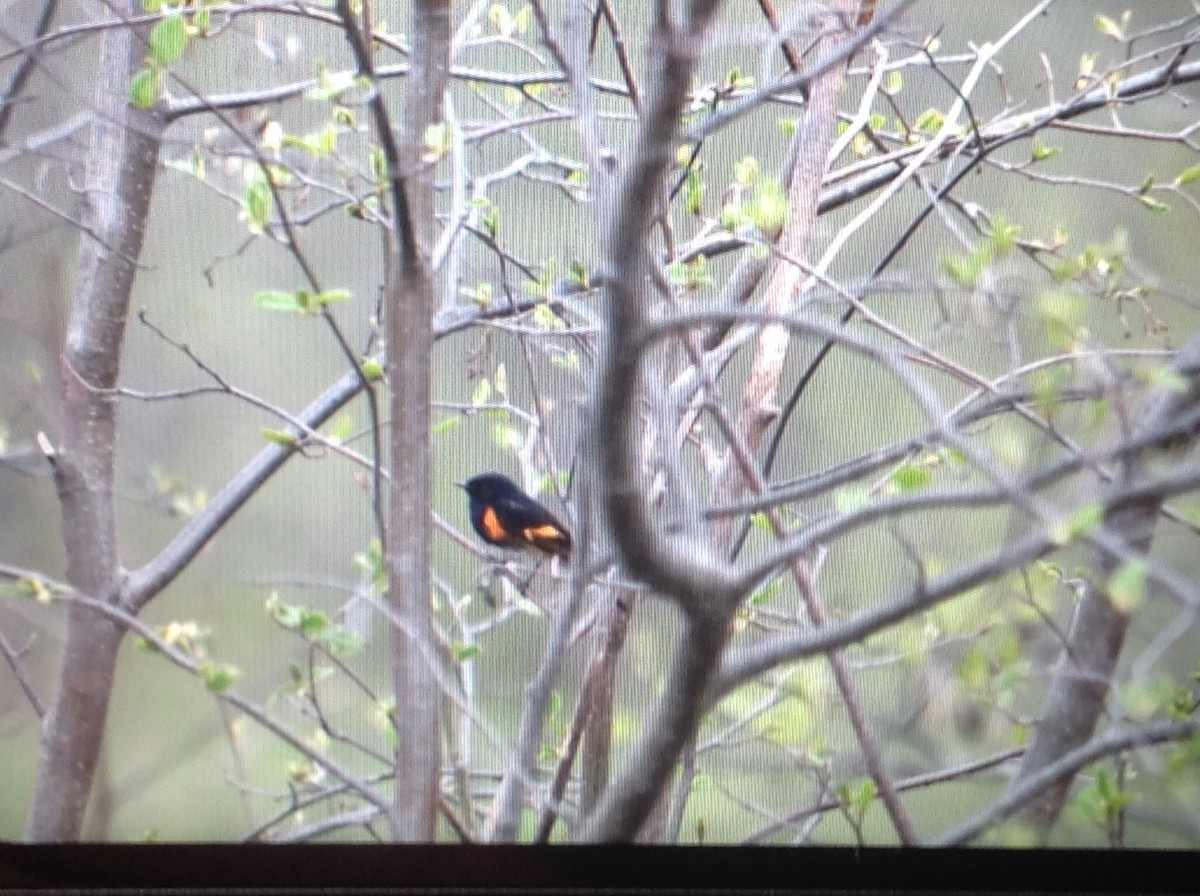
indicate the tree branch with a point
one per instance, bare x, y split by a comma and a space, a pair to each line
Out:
1032, 786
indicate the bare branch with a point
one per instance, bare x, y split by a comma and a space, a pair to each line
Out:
1029, 788
20, 77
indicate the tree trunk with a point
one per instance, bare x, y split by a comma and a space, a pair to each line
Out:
410, 308
121, 165
1081, 686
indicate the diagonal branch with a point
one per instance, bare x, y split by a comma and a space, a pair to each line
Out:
1032, 786
20, 77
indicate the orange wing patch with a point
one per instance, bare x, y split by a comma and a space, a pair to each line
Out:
549, 538
492, 526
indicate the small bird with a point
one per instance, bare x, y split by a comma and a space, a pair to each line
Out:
505, 516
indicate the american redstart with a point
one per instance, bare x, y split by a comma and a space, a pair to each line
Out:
505, 516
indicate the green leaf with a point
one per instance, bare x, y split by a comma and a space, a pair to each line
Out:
1103, 800
202, 21
1087, 65
482, 392
1153, 204
1061, 311
33, 586
379, 163
341, 429
769, 205
523, 19
1003, 235
257, 202
372, 368
219, 678
764, 593
1059, 532
278, 436
1127, 586
319, 144
759, 521
1041, 151
327, 139
490, 220
965, 270
1095, 412
463, 652
481, 294
694, 192
856, 797
732, 216
1047, 385
745, 170
930, 120
973, 669
168, 39
955, 456
1183, 703
554, 706
278, 300
1082, 521
286, 615
544, 318
736, 79
312, 623
329, 296
864, 794
1188, 175
1168, 378
692, 275
911, 477
370, 562
143, 88
501, 19
340, 640
1108, 27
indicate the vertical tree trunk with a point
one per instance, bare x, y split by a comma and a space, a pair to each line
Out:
121, 164
1083, 681
410, 307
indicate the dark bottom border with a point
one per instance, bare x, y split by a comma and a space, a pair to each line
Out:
297, 869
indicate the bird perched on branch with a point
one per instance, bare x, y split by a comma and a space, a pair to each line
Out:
505, 516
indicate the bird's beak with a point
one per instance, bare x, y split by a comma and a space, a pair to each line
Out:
461, 483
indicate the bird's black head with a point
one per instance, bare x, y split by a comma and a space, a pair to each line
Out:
489, 486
